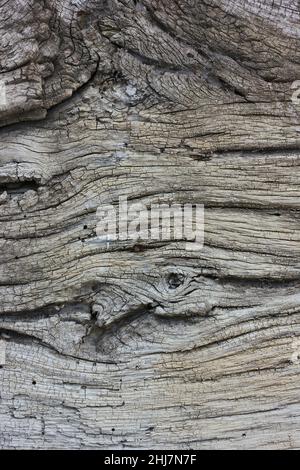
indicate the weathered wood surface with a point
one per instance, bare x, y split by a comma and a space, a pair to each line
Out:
140, 346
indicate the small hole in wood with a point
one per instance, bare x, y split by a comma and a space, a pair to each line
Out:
175, 280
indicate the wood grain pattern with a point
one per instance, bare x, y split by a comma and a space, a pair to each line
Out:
148, 345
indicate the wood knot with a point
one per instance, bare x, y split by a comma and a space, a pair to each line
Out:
175, 280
